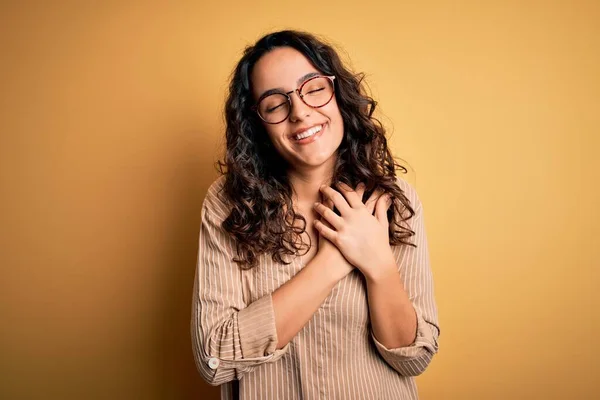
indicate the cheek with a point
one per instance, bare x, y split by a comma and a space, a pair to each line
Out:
271, 131
333, 112
275, 133
336, 118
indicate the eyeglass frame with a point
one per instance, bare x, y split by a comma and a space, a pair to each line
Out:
300, 96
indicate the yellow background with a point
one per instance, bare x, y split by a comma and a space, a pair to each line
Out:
111, 117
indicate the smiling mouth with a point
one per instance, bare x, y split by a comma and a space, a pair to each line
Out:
308, 133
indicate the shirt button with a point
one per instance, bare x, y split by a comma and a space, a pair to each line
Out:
213, 363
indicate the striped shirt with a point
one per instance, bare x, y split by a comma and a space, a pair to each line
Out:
334, 356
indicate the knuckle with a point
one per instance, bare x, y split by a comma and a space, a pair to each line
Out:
337, 240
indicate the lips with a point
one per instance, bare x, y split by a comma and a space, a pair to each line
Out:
304, 133
308, 136
309, 132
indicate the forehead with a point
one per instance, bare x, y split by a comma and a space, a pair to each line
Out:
280, 68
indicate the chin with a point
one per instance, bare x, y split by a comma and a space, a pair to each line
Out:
312, 160
317, 161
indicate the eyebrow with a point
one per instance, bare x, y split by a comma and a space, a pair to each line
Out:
281, 90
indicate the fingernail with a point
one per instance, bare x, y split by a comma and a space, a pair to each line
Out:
316, 204
322, 187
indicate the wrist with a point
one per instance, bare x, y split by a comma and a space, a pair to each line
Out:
381, 272
334, 265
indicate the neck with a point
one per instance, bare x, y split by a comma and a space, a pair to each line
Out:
306, 183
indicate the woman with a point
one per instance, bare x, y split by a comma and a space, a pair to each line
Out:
313, 278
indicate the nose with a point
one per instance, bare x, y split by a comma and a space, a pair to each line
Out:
299, 109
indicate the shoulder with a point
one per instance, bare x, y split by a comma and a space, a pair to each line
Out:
215, 201
410, 192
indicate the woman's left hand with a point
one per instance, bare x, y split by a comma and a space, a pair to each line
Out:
363, 238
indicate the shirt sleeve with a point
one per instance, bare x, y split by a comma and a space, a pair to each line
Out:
414, 268
230, 338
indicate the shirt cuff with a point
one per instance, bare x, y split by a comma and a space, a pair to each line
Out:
258, 338
425, 344
258, 333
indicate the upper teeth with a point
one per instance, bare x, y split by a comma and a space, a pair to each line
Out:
308, 132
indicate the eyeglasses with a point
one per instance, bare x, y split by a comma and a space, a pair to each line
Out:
315, 92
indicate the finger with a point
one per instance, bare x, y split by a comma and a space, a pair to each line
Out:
370, 204
327, 213
324, 222
326, 232
360, 190
338, 200
329, 203
350, 195
326, 201
383, 204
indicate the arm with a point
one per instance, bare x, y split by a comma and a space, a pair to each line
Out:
399, 283
298, 299
402, 305
230, 337
393, 317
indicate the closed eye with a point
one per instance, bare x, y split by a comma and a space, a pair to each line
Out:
315, 91
271, 109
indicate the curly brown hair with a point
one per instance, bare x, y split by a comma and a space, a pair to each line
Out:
262, 217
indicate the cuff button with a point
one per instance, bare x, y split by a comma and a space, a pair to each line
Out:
213, 363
